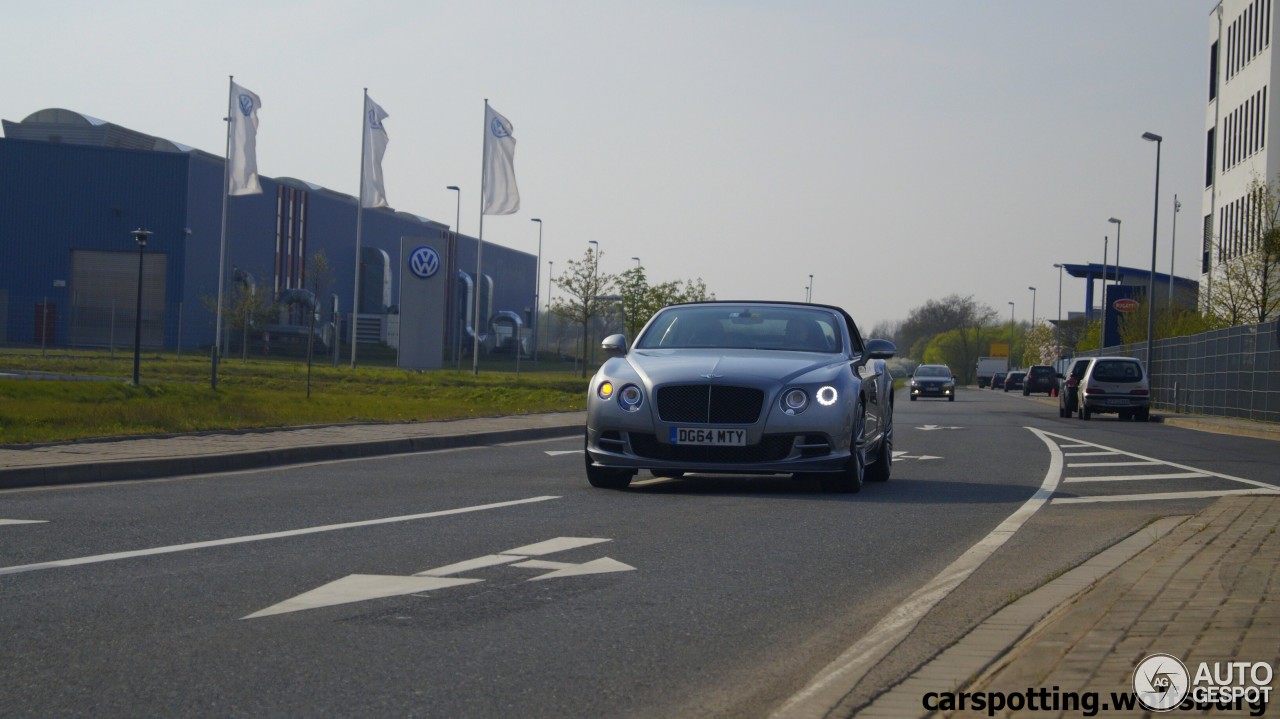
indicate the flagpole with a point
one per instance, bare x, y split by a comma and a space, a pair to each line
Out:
484, 163
222, 243
355, 301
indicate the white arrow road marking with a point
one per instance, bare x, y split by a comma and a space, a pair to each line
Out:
603, 565
358, 588
930, 427
897, 455
361, 587
23, 521
558, 452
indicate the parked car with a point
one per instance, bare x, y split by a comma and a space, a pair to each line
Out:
1069, 387
1013, 380
997, 380
1040, 378
1115, 385
743, 388
933, 380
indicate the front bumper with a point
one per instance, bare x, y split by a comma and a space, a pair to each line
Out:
779, 453
932, 391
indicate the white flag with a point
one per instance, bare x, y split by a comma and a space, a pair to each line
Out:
242, 143
501, 196
373, 190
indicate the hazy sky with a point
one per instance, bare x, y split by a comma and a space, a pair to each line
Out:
897, 151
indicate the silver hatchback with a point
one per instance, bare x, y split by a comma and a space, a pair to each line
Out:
1115, 385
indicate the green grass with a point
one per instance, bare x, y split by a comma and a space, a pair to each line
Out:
175, 395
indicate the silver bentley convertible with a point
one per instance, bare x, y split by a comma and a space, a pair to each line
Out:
743, 388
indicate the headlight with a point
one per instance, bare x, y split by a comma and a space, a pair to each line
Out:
794, 401
827, 396
605, 390
630, 398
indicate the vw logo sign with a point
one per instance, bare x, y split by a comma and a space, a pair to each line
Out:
424, 262
246, 105
499, 130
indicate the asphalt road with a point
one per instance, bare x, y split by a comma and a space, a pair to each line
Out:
430, 584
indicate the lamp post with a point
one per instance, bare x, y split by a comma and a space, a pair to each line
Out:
140, 236
1057, 335
457, 321
1151, 279
595, 290
1010, 328
551, 273
810, 295
1102, 333
537, 282
1033, 306
1117, 224
1173, 241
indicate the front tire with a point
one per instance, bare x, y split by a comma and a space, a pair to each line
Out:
850, 480
604, 477
880, 469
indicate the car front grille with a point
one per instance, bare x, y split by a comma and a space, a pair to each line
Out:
772, 448
709, 404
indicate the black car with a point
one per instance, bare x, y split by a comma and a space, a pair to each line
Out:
1069, 387
1040, 378
933, 380
997, 380
1013, 380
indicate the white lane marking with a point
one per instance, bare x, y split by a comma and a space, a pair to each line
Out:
558, 452
23, 521
903, 455
1114, 464
1175, 465
261, 537
931, 427
1131, 477
361, 587
1091, 454
358, 588
655, 480
1161, 495
833, 682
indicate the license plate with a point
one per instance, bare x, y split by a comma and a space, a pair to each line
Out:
1117, 402
709, 437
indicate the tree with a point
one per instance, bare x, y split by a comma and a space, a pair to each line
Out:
320, 274
1039, 346
641, 301
583, 287
952, 312
1245, 285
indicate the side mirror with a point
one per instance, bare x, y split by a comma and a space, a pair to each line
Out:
614, 345
880, 349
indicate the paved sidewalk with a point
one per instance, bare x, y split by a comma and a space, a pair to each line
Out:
146, 457
1206, 592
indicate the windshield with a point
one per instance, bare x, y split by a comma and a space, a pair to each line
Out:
1117, 371
797, 329
929, 370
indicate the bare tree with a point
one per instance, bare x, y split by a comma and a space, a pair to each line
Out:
583, 287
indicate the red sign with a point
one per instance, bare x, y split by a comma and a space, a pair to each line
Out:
1124, 304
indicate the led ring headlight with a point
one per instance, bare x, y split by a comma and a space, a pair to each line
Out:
827, 396
630, 398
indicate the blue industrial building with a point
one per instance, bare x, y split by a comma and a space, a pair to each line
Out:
72, 189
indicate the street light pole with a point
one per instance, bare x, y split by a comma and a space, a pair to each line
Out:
1102, 333
1117, 224
537, 282
810, 297
456, 321
140, 236
1033, 306
1151, 279
1058, 327
1173, 241
595, 291
1011, 329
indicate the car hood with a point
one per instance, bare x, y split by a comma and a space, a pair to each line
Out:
659, 367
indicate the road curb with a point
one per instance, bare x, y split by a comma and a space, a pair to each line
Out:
152, 468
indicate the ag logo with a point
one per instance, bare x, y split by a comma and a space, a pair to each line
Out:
499, 129
246, 105
424, 262
1161, 682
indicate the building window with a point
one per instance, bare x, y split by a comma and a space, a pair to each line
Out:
1208, 163
1213, 71
1206, 244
